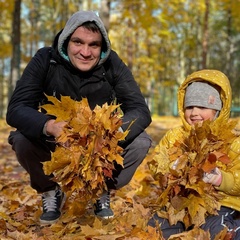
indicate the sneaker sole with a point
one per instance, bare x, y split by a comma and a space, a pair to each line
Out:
104, 217
45, 222
108, 217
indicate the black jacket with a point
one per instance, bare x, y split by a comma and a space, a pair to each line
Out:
23, 110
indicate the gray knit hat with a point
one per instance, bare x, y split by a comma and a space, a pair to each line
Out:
76, 20
202, 94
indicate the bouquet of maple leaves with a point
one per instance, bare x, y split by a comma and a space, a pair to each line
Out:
87, 148
184, 196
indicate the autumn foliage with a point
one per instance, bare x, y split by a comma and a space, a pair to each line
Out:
20, 205
184, 196
88, 147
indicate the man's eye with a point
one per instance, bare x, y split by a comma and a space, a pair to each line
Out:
77, 42
95, 45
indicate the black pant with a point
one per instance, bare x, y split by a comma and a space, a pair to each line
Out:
31, 153
214, 224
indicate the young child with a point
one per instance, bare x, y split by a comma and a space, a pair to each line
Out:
204, 100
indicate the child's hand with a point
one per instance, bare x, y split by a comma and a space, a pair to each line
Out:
175, 164
214, 177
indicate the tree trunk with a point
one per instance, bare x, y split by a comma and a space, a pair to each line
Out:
15, 61
2, 88
230, 45
105, 13
205, 36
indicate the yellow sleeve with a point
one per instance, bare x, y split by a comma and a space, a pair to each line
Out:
231, 176
160, 154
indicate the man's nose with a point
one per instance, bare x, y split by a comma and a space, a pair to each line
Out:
85, 50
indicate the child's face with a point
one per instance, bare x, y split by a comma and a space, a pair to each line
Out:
194, 114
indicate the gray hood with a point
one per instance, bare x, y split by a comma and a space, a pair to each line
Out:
76, 20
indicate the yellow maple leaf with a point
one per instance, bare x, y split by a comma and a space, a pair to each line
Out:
58, 109
185, 197
87, 149
195, 233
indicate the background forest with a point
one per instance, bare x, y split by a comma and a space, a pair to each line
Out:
162, 41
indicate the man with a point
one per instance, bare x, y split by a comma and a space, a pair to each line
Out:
83, 66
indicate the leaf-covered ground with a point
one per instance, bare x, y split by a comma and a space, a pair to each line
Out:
20, 205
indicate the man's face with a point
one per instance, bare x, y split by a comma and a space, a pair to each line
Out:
84, 49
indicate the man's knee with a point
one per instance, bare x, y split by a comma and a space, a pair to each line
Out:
135, 152
25, 148
18, 141
143, 141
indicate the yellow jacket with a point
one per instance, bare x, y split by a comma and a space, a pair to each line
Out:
230, 186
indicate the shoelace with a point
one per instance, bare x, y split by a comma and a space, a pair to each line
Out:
50, 201
104, 201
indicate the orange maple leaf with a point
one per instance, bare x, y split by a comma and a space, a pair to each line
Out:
185, 197
87, 149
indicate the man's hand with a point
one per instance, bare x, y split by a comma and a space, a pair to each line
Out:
54, 128
214, 177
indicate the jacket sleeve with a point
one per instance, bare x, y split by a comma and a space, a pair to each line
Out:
160, 156
132, 102
231, 176
22, 112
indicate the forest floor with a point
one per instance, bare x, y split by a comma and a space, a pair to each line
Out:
20, 205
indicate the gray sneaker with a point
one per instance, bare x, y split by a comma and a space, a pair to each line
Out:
53, 202
102, 206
